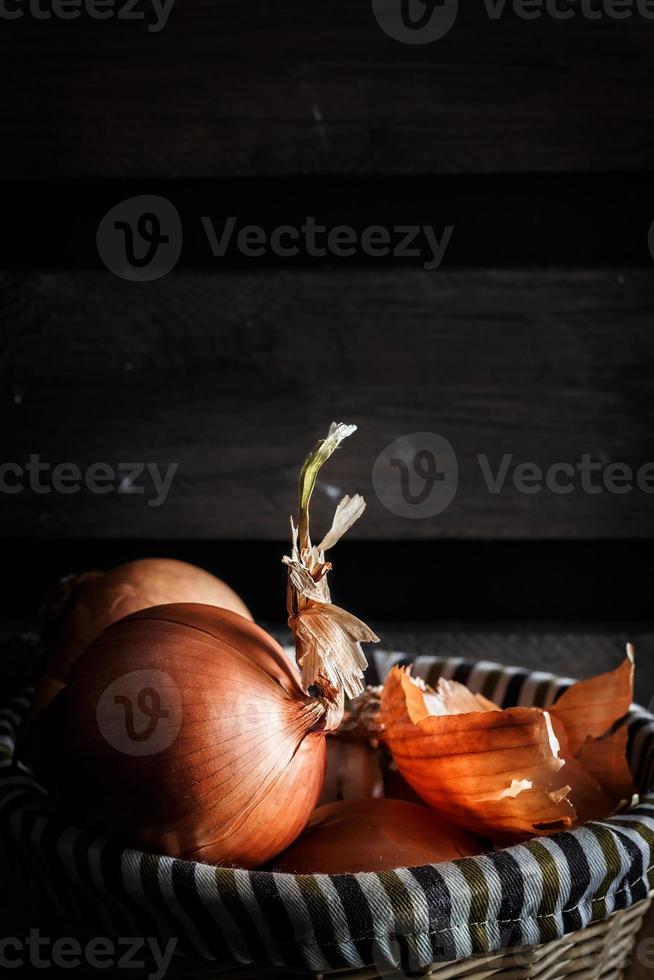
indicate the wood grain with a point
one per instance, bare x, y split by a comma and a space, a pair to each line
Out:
292, 87
233, 376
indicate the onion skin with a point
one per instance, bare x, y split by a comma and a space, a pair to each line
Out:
515, 773
245, 770
374, 835
493, 772
353, 771
96, 600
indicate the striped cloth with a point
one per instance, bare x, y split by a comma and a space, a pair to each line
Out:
408, 918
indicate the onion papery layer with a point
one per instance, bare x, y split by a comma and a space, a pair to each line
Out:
518, 772
239, 754
487, 770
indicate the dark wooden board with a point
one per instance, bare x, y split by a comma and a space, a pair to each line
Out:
608, 582
290, 87
583, 219
233, 376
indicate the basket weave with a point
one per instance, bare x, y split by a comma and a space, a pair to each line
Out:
603, 951
567, 906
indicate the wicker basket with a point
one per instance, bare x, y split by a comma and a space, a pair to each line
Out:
603, 951
515, 914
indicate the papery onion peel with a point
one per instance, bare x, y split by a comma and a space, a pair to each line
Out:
516, 772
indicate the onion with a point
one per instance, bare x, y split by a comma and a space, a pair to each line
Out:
229, 775
184, 728
374, 835
89, 603
353, 771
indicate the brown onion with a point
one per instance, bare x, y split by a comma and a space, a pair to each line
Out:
229, 775
93, 601
184, 728
353, 771
374, 835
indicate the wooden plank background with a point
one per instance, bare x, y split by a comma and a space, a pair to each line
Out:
538, 341
233, 376
292, 87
